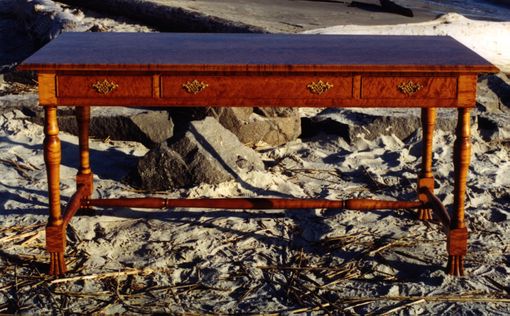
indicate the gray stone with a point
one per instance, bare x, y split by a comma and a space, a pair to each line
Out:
44, 20
25, 101
493, 100
273, 126
354, 124
161, 169
149, 127
493, 93
207, 153
494, 127
213, 154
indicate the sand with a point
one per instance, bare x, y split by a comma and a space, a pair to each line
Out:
221, 261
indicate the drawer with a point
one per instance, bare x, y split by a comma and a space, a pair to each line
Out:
416, 87
104, 86
255, 87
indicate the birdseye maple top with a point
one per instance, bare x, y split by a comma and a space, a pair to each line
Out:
255, 52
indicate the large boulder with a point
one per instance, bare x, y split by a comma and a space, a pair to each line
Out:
149, 127
368, 124
205, 153
493, 98
254, 126
161, 169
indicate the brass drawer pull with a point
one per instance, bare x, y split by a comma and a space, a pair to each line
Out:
195, 86
105, 86
409, 88
319, 87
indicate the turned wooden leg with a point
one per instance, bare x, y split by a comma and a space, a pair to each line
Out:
458, 234
426, 179
55, 234
84, 176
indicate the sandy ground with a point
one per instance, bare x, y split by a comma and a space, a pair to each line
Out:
220, 261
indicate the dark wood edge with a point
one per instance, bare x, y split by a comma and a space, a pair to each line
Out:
261, 68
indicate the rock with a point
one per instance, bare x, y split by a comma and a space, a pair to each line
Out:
44, 20
354, 124
494, 127
207, 153
383, 6
161, 169
493, 93
273, 126
167, 17
392, 7
493, 100
24, 102
149, 127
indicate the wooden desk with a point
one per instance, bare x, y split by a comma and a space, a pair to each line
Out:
157, 69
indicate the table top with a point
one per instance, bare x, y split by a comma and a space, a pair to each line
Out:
255, 52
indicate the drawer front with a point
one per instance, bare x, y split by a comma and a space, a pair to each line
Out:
382, 87
253, 87
104, 86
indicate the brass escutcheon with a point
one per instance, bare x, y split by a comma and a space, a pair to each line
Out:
409, 88
105, 86
194, 86
319, 87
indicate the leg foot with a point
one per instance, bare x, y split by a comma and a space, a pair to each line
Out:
455, 265
425, 214
457, 250
57, 264
56, 245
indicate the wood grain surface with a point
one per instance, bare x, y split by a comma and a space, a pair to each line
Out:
255, 52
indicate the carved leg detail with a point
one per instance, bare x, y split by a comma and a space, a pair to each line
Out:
426, 180
458, 234
425, 214
55, 236
56, 245
457, 249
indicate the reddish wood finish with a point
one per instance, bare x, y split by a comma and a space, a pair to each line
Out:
256, 87
256, 99
253, 70
47, 89
437, 207
74, 204
425, 180
52, 158
386, 87
461, 159
467, 90
252, 203
55, 236
81, 86
84, 176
